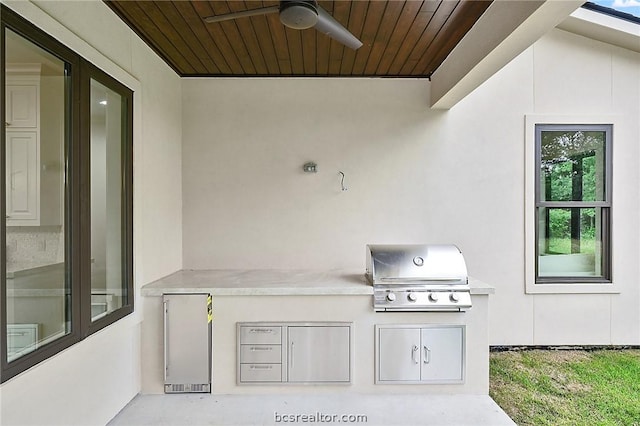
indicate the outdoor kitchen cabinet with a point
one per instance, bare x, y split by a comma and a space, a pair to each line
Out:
419, 354
313, 352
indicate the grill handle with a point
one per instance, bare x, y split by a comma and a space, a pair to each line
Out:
420, 280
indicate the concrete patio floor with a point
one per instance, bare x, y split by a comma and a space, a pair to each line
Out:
370, 410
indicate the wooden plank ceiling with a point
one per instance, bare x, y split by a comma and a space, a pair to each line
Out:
400, 38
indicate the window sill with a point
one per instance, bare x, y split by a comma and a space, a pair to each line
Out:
572, 288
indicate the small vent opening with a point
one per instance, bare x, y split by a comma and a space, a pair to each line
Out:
187, 388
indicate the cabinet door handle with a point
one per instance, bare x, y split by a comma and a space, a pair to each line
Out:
291, 356
427, 355
414, 353
165, 314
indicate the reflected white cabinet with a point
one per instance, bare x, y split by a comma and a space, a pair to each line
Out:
21, 339
22, 96
419, 354
314, 352
23, 177
22, 106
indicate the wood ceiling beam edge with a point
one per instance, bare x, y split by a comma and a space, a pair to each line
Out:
504, 31
125, 18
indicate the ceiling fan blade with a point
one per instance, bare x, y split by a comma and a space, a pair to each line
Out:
328, 25
243, 14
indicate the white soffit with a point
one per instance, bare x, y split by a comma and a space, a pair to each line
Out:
505, 30
605, 28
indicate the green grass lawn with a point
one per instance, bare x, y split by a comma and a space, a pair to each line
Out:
567, 387
563, 245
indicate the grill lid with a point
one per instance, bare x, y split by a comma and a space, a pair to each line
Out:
415, 264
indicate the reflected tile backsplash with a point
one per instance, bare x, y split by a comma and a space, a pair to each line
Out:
33, 246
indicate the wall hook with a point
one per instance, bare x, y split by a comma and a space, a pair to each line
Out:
344, 188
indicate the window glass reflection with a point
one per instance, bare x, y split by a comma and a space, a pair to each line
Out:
107, 292
38, 296
570, 242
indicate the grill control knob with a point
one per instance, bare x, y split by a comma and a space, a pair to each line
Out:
454, 297
433, 297
391, 297
412, 297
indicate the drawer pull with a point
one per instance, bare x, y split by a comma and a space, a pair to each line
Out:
261, 330
259, 348
260, 367
17, 333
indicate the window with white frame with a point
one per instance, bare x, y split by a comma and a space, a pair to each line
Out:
573, 203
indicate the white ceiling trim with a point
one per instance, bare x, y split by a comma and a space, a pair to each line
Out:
603, 27
505, 30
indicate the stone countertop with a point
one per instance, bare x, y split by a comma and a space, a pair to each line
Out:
268, 282
17, 269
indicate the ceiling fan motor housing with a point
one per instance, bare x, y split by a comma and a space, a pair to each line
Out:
298, 15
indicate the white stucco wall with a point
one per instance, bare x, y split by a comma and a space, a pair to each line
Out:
232, 151
574, 75
413, 175
91, 381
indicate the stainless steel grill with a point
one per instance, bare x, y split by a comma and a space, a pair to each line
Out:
419, 278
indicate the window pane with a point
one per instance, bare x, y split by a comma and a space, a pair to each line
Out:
108, 289
38, 294
572, 166
570, 242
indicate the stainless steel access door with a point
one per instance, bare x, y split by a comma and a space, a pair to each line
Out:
442, 350
319, 354
420, 354
399, 356
187, 343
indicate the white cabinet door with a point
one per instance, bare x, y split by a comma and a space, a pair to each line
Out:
319, 354
399, 354
23, 178
441, 354
21, 106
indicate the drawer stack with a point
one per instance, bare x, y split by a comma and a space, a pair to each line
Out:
260, 354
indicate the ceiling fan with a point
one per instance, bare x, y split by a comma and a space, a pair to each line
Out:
299, 15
